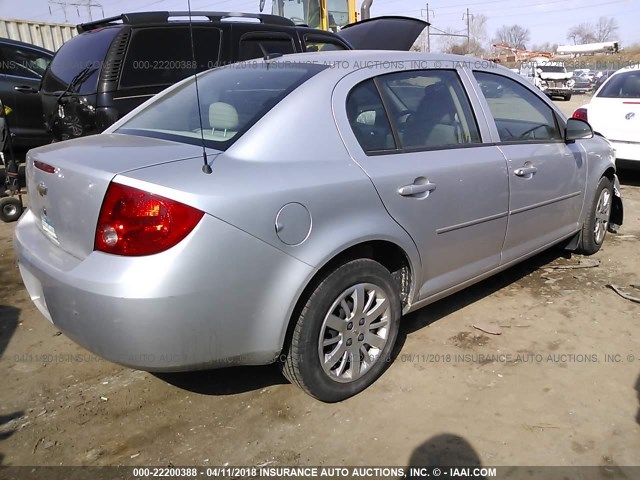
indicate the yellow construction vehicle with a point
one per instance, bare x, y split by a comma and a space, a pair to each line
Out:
324, 14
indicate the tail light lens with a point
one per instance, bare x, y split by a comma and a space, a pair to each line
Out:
581, 114
133, 222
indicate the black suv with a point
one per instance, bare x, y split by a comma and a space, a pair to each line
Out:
117, 63
21, 68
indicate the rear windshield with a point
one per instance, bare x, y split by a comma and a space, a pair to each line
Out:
79, 58
232, 99
622, 85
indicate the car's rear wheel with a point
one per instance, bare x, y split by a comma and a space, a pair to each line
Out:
10, 209
596, 223
344, 334
567, 98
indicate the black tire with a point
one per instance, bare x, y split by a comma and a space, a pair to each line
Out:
10, 209
301, 364
567, 98
589, 243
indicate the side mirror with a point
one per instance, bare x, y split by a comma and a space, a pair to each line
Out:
577, 129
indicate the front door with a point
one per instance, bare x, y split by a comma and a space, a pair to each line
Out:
546, 176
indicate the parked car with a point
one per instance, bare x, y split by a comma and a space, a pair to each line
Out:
117, 63
21, 68
614, 111
600, 79
582, 84
338, 200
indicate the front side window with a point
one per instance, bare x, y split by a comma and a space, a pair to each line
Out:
23, 62
520, 115
316, 43
232, 99
259, 47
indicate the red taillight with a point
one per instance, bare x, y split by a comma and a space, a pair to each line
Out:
581, 114
133, 222
45, 167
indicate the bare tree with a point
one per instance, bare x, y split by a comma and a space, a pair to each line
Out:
545, 47
581, 33
605, 29
447, 42
514, 36
478, 34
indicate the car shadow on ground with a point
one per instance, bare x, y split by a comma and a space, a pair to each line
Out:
628, 176
436, 311
443, 451
8, 323
234, 380
638, 393
226, 381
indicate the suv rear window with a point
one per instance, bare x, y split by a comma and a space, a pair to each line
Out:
232, 99
84, 52
163, 56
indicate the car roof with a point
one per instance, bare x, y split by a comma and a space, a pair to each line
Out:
343, 60
16, 43
628, 68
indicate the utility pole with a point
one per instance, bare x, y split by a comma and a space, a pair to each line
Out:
427, 38
88, 4
468, 17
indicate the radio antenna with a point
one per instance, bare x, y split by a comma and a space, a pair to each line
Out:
206, 168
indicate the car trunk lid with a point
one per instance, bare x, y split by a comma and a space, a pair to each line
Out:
67, 181
383, 33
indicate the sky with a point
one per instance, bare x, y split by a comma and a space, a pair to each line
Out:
547, 20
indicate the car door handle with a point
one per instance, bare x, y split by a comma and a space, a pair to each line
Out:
25, 89
524, 171
416, 188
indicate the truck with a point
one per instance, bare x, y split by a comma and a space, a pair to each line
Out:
549, 76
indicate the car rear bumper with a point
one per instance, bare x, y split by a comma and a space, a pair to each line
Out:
626, 150
221, 297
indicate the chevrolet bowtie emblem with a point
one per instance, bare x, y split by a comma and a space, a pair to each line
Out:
42, 189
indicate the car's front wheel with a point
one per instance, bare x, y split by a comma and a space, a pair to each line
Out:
596, 222
344, 334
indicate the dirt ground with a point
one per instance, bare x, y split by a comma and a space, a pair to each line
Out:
557, 387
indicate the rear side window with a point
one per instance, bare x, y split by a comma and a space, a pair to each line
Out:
231, 100
430, 109
622, 85
254, 46
80, 58
163, 56
23, 62
520, 115
368, 118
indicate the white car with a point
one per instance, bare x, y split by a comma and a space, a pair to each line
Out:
614, 111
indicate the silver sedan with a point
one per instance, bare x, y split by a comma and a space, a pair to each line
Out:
301, 208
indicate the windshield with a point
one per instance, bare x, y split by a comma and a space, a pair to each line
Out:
232, 99
552, 69
622, 85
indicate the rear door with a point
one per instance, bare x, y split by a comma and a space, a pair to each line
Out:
21, 70
546, 176
415, 135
